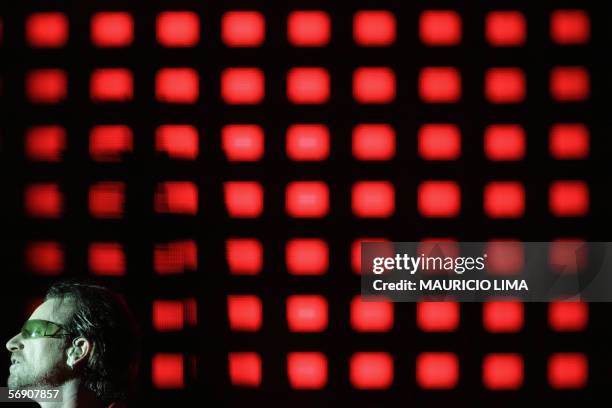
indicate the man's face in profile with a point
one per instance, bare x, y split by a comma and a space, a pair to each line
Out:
41, 361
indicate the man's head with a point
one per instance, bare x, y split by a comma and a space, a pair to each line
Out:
81, 331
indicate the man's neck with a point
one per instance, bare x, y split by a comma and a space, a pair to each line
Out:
74, 396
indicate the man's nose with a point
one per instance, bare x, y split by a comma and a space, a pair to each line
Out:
14, 343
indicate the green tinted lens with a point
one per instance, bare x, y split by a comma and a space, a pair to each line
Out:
39, 328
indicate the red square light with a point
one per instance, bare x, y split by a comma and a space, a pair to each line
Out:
308, 28
307, 370
46, 86
109, 142
374, 85
505, 85
439, 142
244, 312
243, 199
440, 27
374, 28
356, 252
570, 27
307, 142
567, 255
176, 197
437, 316
373, 142
43, 200
168, 315
504, 199
244, 256
568, 198
177, 85
112, 29
502, 371
107, 199
568, 316
439, 85
569, 84
373, 199
244, 369
503, 317
177, 141
178, 29
45, 257
308, 85
371, 370
167, 371
371, 316
307, 199
45, 143
504, 257
175, 257
307, 256
242, 142
504, 142
506, 28
439, 199
568, 370
437, 370
569, 141
107, 258
46, 30
306, 313
242, 86
243, 29
111, 85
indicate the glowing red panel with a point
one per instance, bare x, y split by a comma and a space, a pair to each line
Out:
439, 142
307, 142
569, 141
439, 199
175, 257
504, 142
307, 199
310, 28
178, 29
569, 84
440, 27
568, 370
307, 256
368, 316
243, 142
45, 257
570, 27
437, 316
306, 313
439, 85
243, 199
568, 316
244, 369
243, 29
244, 312
176, 197
307, 370
373, 199
504, 199
177, 85
371, 370
46, 86
167, 371
505, 85
374, 85
437, 370
506, 28
168, 315
109, 142
356, 252
46, 30
503, 317
505, 257
565, 255
308, 85
177, 141
43, 200
107, 199
374, 28
373, 142
568, 198
112, 29
242, 86
45, 143
111, 85
107, 258
503, 371
244, 256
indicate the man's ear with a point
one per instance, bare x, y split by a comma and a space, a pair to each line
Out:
80, 349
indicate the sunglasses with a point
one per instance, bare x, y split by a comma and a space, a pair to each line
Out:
41, 328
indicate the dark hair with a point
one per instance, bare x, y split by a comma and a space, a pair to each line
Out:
103, 318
